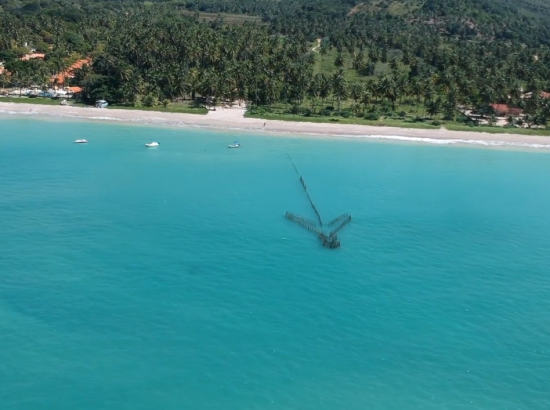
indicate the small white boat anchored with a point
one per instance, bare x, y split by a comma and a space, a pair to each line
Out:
81, 142
152, 144
235, 145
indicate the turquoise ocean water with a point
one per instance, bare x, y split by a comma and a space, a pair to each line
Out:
135, 278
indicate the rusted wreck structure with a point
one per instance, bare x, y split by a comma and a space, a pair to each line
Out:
329, 240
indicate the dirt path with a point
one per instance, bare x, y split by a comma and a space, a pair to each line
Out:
316, 48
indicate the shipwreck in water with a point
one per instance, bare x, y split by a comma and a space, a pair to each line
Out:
330, 239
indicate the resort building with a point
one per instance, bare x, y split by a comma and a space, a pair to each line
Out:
61, 78
503, 110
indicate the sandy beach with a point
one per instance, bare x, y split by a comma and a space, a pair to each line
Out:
234, 119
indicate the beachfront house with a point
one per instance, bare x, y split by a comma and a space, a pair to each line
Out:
73, 91
504, 110
62, 78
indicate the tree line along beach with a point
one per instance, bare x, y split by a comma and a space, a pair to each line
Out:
420, 65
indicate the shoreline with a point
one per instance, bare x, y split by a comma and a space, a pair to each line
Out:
233, 119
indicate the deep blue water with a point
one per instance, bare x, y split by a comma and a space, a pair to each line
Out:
135, 278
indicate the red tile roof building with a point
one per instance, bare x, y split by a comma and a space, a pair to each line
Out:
60, 78
505, 110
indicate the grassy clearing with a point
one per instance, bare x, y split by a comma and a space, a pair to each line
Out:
407, 118
227, 17
325, 64
384, 122
391, 122
37, 101
394, 8
176, 108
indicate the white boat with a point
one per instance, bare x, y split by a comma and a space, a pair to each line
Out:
19, 91
81, 142
152, 144
234, 145
34, 92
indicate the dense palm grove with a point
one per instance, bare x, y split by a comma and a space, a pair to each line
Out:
447, 58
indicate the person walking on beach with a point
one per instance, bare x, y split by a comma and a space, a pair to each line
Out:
264, 124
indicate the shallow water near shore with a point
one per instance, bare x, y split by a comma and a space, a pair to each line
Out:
233, 121
168, 278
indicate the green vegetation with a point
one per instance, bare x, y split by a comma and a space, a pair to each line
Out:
226, 17
399, 123
179, 108
382, 122
25, 100
498, 130
409, 62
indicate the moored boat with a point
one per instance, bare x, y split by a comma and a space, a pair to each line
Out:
152, 144
234, 145
82, 141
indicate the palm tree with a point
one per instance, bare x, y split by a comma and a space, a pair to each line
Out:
357, 91
339, 61
324, 49
314, 89
386, 88
339, 87
434, 107
394, 64
193, 81
325, 87
358, 63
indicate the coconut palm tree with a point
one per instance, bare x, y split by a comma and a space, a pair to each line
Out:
357, 90
339, 87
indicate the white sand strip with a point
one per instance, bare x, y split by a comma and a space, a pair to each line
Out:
234, 119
